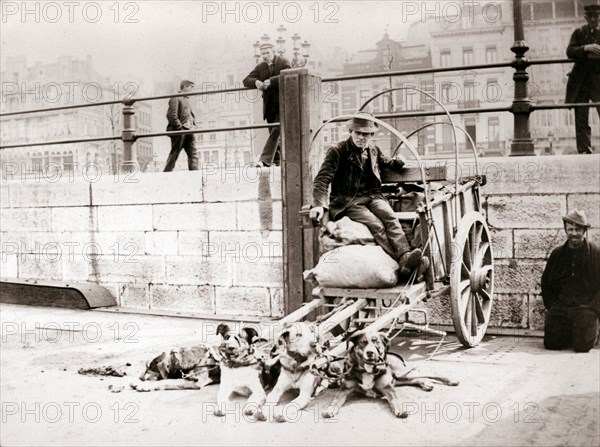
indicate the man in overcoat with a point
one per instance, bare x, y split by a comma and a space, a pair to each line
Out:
352, 168
265, 77
584, 80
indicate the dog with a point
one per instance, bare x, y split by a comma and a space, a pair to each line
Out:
182, 369
242, 370
297, 347
372, 369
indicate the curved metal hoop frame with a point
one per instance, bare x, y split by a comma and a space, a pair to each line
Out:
473, 148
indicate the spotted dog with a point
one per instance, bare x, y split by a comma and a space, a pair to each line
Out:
295, 351
241, 370
182, 369
371, 369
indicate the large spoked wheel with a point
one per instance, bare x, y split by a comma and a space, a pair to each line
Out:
471, 279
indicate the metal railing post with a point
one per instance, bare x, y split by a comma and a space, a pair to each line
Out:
522, 143
128, 137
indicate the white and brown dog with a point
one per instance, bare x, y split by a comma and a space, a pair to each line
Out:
241, 370
297, 348
371, 369
182, 369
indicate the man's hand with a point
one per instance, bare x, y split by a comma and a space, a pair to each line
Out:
317, 213
259, 84
266, 84
593, 49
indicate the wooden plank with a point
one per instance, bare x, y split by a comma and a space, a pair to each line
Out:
413, 174
387, 293
302, 312
341, 316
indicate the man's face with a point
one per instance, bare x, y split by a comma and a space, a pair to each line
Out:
575, 234
361, 139
267, 54
187, 88
592, 20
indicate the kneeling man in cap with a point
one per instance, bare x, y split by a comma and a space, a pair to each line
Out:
571, 289
352, 168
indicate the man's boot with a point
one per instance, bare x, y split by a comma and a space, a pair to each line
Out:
409, 261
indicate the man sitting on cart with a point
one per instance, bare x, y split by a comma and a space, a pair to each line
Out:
352, 168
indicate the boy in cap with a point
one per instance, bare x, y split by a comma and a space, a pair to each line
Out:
584, 80
571, 289
352, 168
265, 77
180, 116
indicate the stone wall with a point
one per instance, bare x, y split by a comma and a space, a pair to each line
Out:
210, 242
206, 242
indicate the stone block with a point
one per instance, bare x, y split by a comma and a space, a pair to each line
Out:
265, 273
137, 269
537, 312
9, 266
44, 193
4, 195
198, 270
194, 217
197, 299
511, 212
538, 175
148, 188
259, 216
125, 218
193, 243
78, 218
34, 266
26, 219
509, 311
14, 242
518, 276
134, 295
538, 244
502, 243
250, 245
439, 310
162, 243
75, 267
255, 301
277, 304
590, 203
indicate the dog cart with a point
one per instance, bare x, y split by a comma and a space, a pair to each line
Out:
455, 238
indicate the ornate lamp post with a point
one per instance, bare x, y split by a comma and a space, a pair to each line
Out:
299, 59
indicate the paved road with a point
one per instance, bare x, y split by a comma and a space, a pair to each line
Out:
512, 392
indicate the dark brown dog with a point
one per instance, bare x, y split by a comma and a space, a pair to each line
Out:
241, 370
371, 369
182, 369
297, 347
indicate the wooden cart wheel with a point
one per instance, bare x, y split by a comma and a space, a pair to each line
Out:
471, 279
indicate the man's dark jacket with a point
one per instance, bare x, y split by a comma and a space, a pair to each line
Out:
556, 272
270, 96
343, 169
179, 114
583, 66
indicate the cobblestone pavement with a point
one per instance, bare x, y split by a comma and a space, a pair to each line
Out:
512, 391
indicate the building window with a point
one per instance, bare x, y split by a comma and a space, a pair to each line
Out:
467, 56
446, 92
469, 93
491, 55
494, 132
445, 58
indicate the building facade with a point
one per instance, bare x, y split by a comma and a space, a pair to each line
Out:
68, 81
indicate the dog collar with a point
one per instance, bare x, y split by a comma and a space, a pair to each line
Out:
246, 361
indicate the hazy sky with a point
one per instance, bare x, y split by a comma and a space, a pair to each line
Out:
154, 40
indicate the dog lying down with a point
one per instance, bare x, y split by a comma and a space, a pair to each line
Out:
182, 369
371, 369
